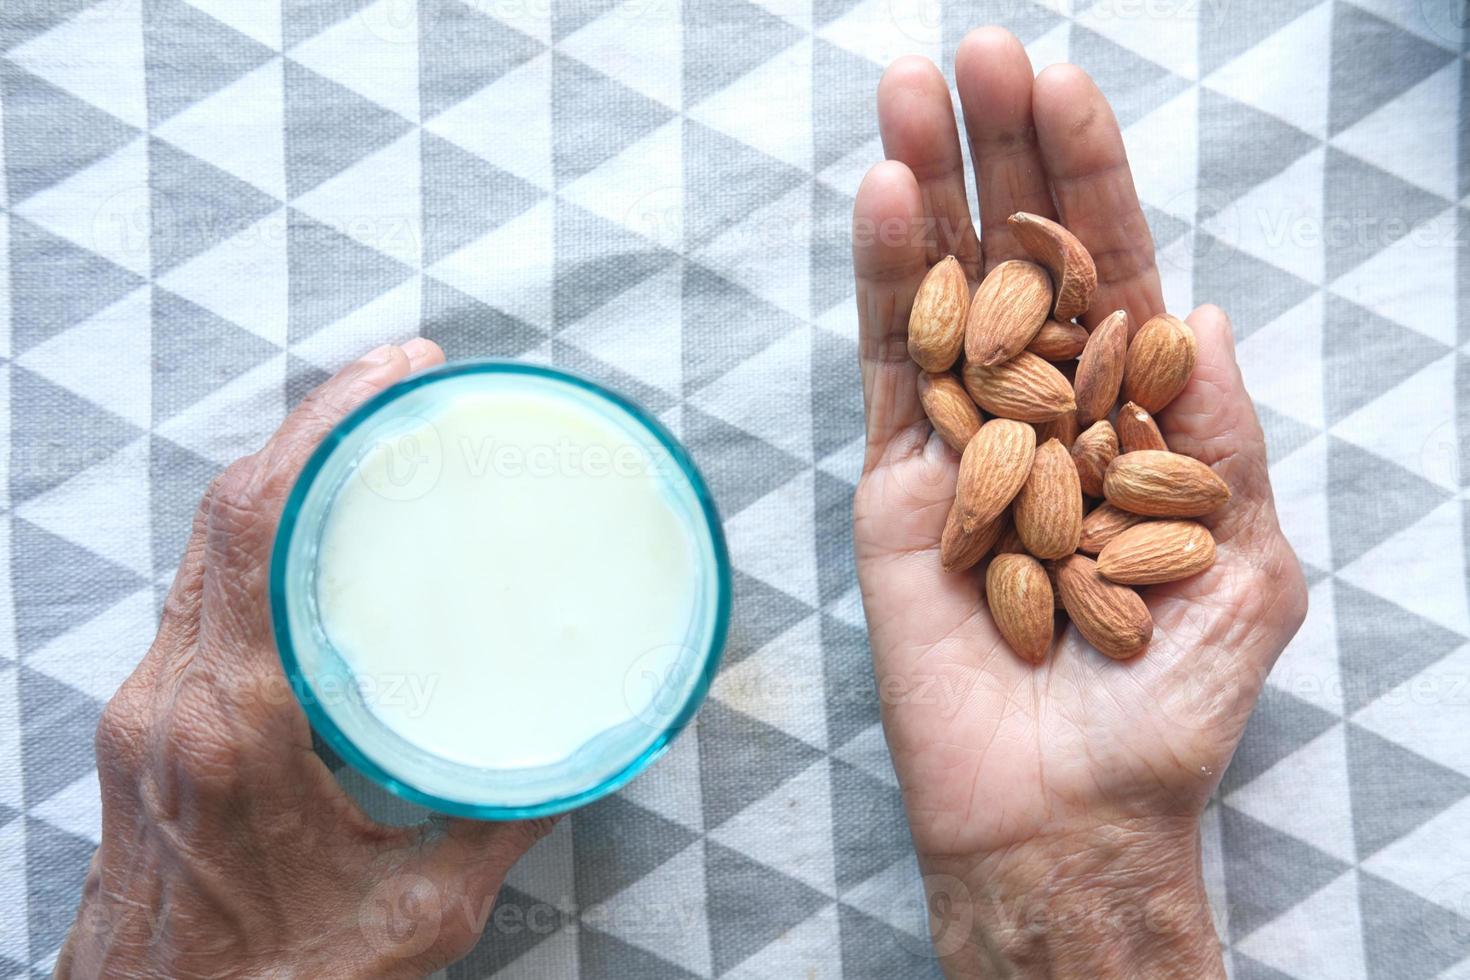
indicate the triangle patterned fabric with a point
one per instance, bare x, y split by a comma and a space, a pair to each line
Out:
210, 205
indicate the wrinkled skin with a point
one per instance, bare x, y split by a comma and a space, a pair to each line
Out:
228, 848
1025, 770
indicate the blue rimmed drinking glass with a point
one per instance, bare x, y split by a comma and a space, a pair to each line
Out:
335, 702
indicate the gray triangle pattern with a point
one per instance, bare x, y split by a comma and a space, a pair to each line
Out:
1414, 939
466, 327
1269, 871
321, 259
449, 26
1135, 85
710, 64
1378, 207
1260, 291
1368, 627
329, 128
190, 56
1375, 499
196, 206
1394, 790
50, 134
1373, 62
59, 434
523, 101
56, 864
623, 117
44, 271
763, 902
1248, 23
58, 719
1368, 355
1224, 125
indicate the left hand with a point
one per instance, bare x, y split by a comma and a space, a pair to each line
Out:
228, 848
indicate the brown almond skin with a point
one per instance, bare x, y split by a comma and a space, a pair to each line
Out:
1104, 523
1063, 429
1007, 311
959, 549
1009, 542
937, 318
1092, 452
1159, 551
1110, 616
1048, 510
1137, 430
1072, 269
1020, 598
950, 410
1159, 363
1100, 368
992, 469
1025, 388
1163, 484
1058, 340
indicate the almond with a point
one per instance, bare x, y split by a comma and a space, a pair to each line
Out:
1159, 551
1058, 340
1025, 388
1020, 599
1104, 523
1163, 484
1048, 510
1110, 616
950, 410
1137, 430
1063, 429
992, 469
1071, 266
1092, 451
1160, 361
1008, 309
1100, 368
937, 318
960, 549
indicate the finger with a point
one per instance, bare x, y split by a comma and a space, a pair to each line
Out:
422, 353
916, 120
247, 500
1087, 165
889, 261
1214, 420
1256, 570
994, 77
470, 858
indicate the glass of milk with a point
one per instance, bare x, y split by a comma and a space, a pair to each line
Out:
500, 590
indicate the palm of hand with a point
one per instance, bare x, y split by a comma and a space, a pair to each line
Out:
1001, 752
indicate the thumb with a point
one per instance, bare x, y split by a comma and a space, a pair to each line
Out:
1214, 420
472, 857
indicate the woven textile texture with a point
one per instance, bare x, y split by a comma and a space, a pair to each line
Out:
209, 205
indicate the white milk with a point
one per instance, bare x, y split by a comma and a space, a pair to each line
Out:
507, 611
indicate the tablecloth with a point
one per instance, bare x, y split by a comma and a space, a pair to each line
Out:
211, 204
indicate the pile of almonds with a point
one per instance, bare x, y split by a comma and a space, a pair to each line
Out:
1050, 473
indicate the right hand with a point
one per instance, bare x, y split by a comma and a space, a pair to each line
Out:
1071, 790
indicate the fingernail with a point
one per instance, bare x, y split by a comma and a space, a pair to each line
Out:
416, 348
378, 355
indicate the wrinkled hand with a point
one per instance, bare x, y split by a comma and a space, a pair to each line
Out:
1071, 788
228, 849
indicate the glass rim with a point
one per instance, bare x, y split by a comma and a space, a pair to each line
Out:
344, 746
